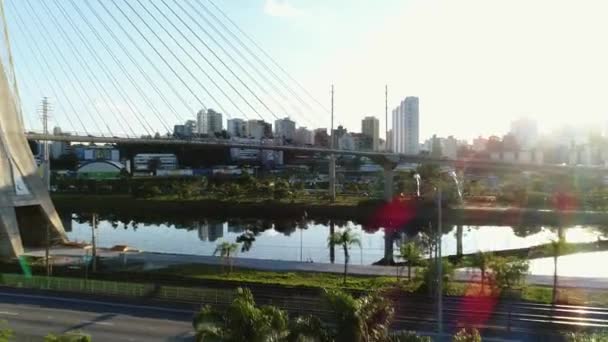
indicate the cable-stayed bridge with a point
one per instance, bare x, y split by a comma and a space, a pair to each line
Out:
118, 70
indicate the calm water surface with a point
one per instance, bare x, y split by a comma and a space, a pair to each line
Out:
310, 244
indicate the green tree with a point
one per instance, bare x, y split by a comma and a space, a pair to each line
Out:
281, 190
509, 271
408, 336
467, 335
243, 320
367, 318
226, 251
482, 261
411, 253
600, 336
557, 248
231, 189
346, 238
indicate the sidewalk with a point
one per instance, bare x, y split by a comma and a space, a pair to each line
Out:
151, 260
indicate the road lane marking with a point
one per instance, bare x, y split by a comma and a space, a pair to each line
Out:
99, 323
9, 313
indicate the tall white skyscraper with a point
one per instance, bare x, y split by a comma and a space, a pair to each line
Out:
406, 127
209, 122
370, 126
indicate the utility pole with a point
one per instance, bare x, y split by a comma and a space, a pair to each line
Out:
386, 115
332, 157
45, 144
47, 251
439, 265
93, 242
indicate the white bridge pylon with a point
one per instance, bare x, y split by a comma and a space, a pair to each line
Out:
26, 209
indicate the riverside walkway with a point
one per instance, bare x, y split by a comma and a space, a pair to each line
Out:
151, 260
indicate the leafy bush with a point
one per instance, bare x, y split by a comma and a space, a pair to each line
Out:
509, 272
68, 337
601, 336
467, 335
408, 336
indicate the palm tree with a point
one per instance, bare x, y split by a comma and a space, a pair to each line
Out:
411, 253
482, 261
226, 250
242, 320
556, 248
345, 238
366, 318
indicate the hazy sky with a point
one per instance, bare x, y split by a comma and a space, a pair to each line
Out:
475, 64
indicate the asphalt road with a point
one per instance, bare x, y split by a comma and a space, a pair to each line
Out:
33, 315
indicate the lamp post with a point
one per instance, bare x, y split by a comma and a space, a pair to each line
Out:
439, 264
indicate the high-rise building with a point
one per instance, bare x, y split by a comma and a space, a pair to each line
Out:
525, 132
362, 142
406, 127
370, 126
209, 122
258, 129
450, 148
191, 127
337, 134
304, 136
236, 128
321, 138
285, 129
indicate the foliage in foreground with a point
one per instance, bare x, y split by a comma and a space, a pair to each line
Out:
363, 319
467, 335
5, 332
601, 336
68, 337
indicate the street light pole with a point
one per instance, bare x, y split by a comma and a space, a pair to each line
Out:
439, 264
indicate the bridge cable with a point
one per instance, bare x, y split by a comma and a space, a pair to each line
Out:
91, 50
78, 82
35, 80
90, 74
129, 77
216, 56
38, 47
241, 54
218, 103
55, 79
157, 52
28, 90
145, 55
273, 61
189, 55
147, 77
125, 71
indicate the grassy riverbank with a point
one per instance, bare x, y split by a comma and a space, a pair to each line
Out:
532, 293
216, 276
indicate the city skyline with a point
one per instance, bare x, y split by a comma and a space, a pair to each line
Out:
454, 86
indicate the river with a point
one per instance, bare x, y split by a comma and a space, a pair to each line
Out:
306, 240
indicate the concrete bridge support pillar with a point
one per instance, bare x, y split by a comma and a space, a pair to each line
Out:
389, 175
332, 177
459, 234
